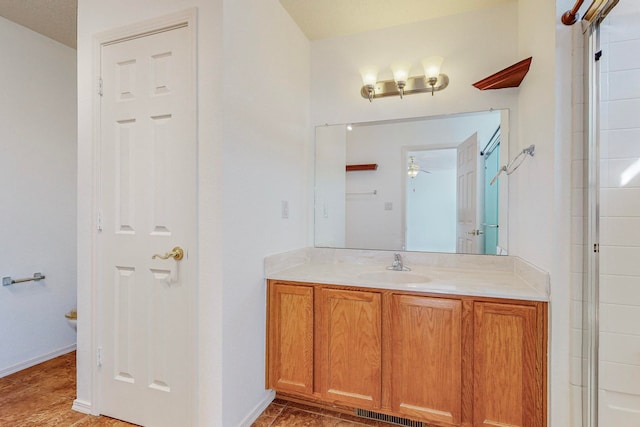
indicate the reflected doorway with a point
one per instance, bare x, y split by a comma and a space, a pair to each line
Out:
434, 203
434, 185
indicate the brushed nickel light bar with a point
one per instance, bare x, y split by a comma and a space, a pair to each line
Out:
432, 80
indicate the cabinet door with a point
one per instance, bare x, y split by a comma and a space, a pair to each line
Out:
508, 365
290, 329
350, 347
426, 362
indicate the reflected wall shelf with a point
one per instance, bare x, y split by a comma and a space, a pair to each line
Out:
509, 77
364, 167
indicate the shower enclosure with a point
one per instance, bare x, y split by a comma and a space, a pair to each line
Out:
609, 378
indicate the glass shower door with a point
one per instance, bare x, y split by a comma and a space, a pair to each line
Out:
619, 218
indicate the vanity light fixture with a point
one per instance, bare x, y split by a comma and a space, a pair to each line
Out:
369, 78
432, 80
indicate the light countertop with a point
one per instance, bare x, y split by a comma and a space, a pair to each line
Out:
498, 277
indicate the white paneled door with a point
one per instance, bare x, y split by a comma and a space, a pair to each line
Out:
468, 235
147, 206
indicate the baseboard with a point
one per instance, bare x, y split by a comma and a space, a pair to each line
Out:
36, 360
82, 406
259, 409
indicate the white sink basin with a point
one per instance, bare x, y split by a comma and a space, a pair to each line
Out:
397, 277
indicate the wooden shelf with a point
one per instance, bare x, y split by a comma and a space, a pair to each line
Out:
509, 77
367, 167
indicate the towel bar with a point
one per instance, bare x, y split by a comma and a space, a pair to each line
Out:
7, 281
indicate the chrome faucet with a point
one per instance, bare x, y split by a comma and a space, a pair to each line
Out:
398, 265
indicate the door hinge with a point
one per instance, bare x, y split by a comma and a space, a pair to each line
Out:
100, 86
596, 248
598, 55
99, 221
99, 356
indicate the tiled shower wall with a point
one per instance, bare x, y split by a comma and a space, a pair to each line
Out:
619, 376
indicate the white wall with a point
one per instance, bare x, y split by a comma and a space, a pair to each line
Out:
37, 187
534, 181
253, 131
266, 147
540, 192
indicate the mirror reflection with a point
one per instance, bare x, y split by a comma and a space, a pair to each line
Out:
420, 184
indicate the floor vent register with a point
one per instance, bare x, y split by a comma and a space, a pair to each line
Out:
389, 418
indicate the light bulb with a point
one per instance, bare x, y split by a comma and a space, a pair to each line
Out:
369, 75
400, 72
369, 78
432, 66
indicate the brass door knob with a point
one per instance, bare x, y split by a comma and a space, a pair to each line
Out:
176, 253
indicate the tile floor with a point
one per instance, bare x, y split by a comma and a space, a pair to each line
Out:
283, 413
43, 394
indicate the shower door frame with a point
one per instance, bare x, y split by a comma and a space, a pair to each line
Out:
591, 263
591, 260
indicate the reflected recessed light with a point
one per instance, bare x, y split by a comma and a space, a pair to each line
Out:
349, 127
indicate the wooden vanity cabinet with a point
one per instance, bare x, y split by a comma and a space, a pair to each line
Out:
426, 358
509, 349
290, 338
350, 348
442, 359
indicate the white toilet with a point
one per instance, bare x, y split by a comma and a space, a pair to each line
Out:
72, 319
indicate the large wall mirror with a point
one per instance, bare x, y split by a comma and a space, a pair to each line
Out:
420, 184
